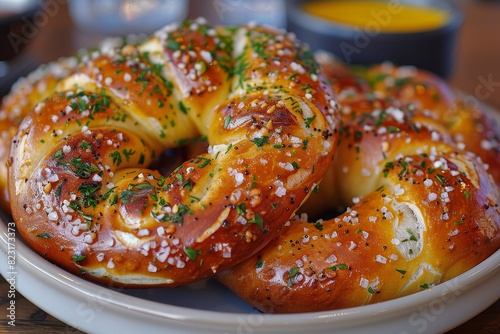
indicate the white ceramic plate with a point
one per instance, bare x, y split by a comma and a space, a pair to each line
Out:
208, 307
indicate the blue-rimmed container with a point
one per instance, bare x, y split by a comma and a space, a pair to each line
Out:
433, 50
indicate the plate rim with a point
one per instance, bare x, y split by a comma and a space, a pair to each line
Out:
58, 277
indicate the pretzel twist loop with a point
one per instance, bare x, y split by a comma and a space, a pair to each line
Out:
80, 188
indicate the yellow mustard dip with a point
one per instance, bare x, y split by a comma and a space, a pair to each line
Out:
388, 16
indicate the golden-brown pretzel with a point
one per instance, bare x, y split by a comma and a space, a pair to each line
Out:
421, 209
83, 197
25, 94
409, 103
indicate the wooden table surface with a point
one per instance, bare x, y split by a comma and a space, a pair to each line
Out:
477, 73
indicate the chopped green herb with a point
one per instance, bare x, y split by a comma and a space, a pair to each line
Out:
257, 220
227, 120
172, 44
58, 190
78, 258
441, 178
81, 169
128, 154
189, 184
135, 192
117, 157
85, 146
89, 194
318, 224
44, 235
58, 155
191, 253
393, 129
183, 108
339, 266
204, 162
309, 120
241, 209
260, 141
176, 217
293, 272
196, 199
412, 236
304, 144
141, 159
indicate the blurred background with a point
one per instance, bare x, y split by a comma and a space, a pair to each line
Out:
34, 31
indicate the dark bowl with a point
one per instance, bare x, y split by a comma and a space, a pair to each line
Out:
19, 26
433, 50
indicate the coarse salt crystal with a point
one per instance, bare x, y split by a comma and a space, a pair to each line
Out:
53, 216
180, 264
160, 231
143, 232
207, 57
331, 259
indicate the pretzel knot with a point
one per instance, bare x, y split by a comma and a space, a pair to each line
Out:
421, 197
81, 191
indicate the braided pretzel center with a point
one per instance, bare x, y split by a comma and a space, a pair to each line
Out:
83, 196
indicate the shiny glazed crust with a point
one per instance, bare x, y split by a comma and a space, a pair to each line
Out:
82, 194
422, 203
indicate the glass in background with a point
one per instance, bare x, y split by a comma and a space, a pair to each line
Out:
122, 17
235, 12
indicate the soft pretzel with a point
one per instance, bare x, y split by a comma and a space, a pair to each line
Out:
25, 94
421, 209
80, 188
405, 102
